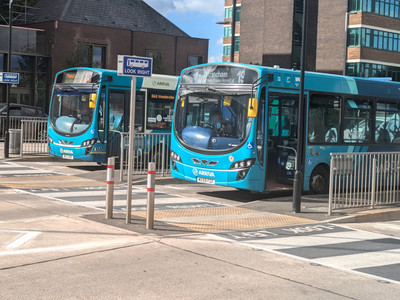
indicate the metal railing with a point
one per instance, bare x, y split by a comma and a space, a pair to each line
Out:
149, 147
33, 137
15, 123
364, 179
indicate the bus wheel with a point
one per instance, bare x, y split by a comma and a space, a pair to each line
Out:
319, 180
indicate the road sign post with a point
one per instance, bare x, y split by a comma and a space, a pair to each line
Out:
133, 66
8, 78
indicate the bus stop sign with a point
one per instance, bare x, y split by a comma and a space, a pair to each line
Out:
6, 77
135, 66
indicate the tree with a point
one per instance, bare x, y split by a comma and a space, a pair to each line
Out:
80, 56
20, 8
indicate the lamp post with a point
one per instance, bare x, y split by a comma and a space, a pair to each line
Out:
7, 134
233, 29
299, 174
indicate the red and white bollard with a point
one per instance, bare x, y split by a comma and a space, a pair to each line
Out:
151, 176
110, 187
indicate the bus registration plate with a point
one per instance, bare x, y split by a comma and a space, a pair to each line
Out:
67, 156
205, 180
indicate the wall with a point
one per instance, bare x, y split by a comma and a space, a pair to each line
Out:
266, 32
331, 36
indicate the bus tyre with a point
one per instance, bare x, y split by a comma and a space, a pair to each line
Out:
319, 180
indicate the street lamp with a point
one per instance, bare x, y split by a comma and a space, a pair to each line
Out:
7, 134
299, 174
233, 28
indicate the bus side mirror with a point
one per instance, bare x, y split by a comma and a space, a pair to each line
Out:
92, 100
253, 105
227, 101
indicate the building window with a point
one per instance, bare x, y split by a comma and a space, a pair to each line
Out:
158, 61
372, 38
42, 81
388, 8
227, 31
229, 10
237, 43
238, 13
98, 56
354, 37
227, 50
194, 60
373, 70
87, 55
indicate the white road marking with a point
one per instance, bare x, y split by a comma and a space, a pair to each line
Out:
28, 235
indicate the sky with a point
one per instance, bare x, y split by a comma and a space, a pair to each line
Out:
198, 19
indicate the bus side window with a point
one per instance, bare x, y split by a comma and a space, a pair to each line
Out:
387, 123
323, 118
357, 121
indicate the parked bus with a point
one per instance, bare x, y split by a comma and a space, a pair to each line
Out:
89, 111
253, 144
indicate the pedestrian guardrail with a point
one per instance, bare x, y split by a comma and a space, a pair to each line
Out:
33, 137
364, 179
14, 123
149, 147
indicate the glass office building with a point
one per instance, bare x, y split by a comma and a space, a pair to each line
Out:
30, 58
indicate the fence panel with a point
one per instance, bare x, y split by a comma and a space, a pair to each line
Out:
364, 179
33, 137
149, 147
15, 123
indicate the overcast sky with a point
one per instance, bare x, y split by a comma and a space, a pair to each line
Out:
197, 18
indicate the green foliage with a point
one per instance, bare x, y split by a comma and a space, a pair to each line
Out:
19, 7
80, 56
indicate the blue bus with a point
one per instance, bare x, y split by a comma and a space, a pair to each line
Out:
236, 125
89, 110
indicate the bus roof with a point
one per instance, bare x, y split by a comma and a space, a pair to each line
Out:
321, 82
156, 81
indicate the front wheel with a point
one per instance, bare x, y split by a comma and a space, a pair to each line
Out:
319, 180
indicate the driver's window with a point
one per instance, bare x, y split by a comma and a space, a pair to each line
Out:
261, 127
101, 115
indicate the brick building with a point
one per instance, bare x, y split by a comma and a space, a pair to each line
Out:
93, 33
227, 41
358, 37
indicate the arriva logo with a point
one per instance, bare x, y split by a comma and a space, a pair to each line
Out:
203, 173
160, 83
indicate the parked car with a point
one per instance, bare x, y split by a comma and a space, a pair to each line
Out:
22, 110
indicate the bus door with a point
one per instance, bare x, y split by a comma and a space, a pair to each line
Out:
281, 139
118, 118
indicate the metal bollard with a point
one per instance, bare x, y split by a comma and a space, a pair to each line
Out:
151, 174
110, 187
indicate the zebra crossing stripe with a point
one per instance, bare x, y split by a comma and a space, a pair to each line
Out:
329, 245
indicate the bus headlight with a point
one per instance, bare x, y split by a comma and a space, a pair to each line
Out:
89, 143
243, 167
175, 158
